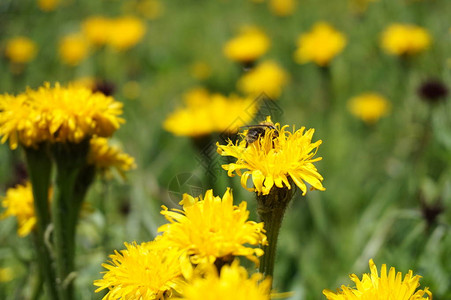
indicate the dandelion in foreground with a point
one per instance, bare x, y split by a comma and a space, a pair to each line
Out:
233, 282
211, 229
203, 114
73, 49
267, 77
276, 158
18, 203
248, 46
20, 50
369, 107
105, 157
320, 45
388, 286
405, 39
149, 270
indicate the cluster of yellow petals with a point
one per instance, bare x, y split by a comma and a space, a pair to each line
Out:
204, 114
268, 77
275, 158
20, 50
405, 39
73, 49
19, 203
388, 286
248, 46
232, 283
57, 114
369, 107
150, 270
212, 228
121, 33
320, 45
105, 157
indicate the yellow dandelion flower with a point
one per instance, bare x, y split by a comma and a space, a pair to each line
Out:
274, 158
104, 157
48, 5
320, 45
126, 32
20, 50
205, 114
57, 114
388, 286
73, 49
248, 46
18, 203
282, 8
268, 77
405, 39
212, 228
6, 274
369, 107
146, 271
96, 29
233, 283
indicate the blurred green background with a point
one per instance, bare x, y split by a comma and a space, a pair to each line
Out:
382, 180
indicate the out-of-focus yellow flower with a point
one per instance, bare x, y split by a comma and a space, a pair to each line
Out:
212, 228
405, 39
48, 5
96, 29
18, 203
106, 157
282, 8
207, 113
20, 49
274, 158
248, 46
73, 48
320, 45
57, 114
232, 283
369, 107
360, 6
388, 286
6, 274
150, 9
126, 32
146, 271
268, 77
200, 70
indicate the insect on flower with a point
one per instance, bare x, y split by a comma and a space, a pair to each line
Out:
256, 131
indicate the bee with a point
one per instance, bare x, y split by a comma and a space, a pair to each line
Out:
256, 131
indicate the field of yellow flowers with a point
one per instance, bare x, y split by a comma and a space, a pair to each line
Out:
225, 149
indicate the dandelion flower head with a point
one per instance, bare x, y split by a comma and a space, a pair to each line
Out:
388, 286
106, 157
18, 203
248, 46
405, 39
96, 28
57, 114
232, 283
268, 77
73, 49
320, 45
146, 271
369, 107
20, 50
126, 32
211, 228
206, 113
275, 158
282, 8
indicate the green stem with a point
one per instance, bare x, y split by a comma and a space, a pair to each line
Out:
39, 169
67, 199
271, 209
